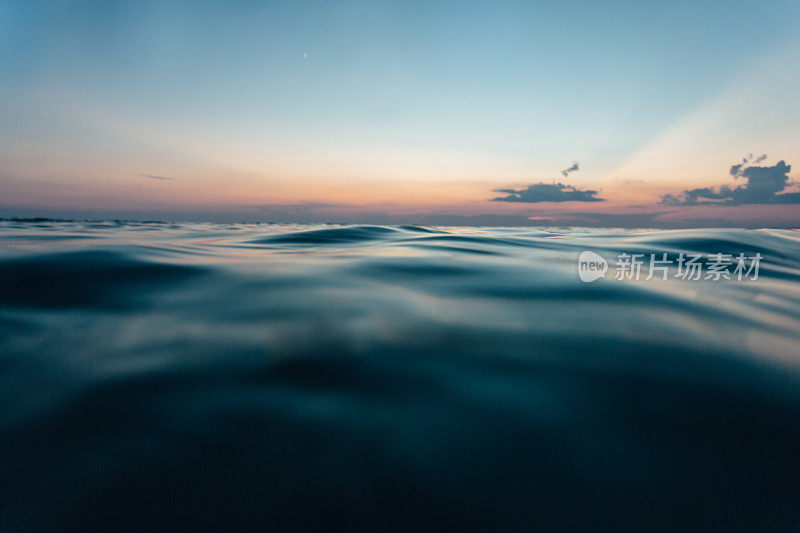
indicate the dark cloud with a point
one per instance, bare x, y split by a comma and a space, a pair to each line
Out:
737, 170
764, 185
548, 192
753, 160
574, 168
153, 177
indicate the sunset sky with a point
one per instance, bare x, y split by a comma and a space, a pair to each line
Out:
386, 112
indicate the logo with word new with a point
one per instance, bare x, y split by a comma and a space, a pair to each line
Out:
591, 266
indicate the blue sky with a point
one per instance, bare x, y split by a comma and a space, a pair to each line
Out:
371, 103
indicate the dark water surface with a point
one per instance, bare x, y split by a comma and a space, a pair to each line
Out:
210, 377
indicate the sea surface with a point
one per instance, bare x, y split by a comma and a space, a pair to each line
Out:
196, 377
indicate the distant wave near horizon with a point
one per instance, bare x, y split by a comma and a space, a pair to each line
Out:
315, 378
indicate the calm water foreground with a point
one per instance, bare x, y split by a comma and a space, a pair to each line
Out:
274, 377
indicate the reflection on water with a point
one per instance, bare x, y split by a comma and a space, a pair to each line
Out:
158, 376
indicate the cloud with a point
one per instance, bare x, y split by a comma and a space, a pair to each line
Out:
736, 170
574, 168
548, 192
153, 177
764, 185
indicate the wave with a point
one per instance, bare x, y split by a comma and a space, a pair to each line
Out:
85, 279
372, 377
352, 234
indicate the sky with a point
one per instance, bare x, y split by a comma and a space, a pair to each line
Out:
499, 113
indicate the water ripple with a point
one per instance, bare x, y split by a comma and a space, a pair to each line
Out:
249, 377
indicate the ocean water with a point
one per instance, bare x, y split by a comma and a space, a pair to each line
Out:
326, 378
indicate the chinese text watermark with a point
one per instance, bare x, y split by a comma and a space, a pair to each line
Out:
664, 266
